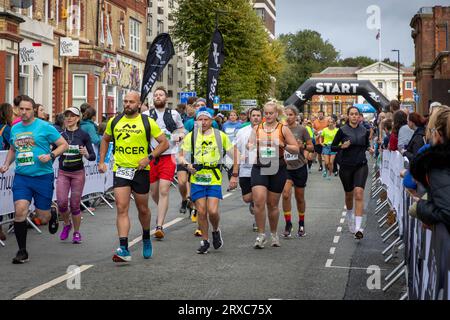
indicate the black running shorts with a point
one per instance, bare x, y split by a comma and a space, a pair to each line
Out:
352, 177
181, 168
298, 176
140, 183
246, 185
274, 183
318, 148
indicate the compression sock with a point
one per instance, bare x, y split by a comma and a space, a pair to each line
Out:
20, 230
287, 216
146, 234
301, 219
124, 242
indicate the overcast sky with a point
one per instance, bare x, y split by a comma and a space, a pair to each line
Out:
343, 23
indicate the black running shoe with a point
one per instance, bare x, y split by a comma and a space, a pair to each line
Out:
204, 246
21, 257
359, 234
320, 168
183, 206
217, 239
336, 173
287, 230
53, 224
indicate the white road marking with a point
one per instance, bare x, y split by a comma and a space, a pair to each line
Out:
354, 268
339, 230
336, 239
227, 195
332, 250
52, 283
342, 220
328, 264
344, 214
49, 284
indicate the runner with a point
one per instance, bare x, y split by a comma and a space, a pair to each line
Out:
131, 133
326, 139
30, 147
206, 146
269, 139
163, 167
231, 128
319, 124
297, 173
246, 159
352, 142
71, 175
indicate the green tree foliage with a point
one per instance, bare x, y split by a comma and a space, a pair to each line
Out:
360, 61
250, 58
306, 53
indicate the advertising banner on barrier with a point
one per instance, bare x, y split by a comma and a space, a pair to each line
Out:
6, 182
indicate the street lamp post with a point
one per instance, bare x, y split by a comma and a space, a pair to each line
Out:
398, 71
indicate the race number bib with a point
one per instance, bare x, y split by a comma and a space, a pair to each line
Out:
229, 131
25, 159
203, 179
125, 173
289, 156
267, 152
73, 150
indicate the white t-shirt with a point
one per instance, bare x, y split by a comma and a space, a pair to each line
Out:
247, 158
173, 147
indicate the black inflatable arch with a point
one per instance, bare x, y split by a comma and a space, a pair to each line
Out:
338, 87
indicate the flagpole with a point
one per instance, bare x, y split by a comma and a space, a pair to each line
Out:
379, 45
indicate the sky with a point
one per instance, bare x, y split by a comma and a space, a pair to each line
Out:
344, 24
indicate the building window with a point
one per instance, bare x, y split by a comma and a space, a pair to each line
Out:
149, 25
160, 26
160, 10
79, 90
109, 38
96, 92
170, 93
180, 84
135, 36
170, 77
261, 13
9, 79
161, 77
380, 85
408, 85
24, 74
394, 84
122, 36
171, 4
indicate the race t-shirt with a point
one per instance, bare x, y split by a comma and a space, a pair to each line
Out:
131, 144
328, 136
295, 161
247, 157
206, 153
30, 142
170, 136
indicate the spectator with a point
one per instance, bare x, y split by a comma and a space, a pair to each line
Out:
387, 133
6, 116
404, 135
181, 108
40, 112
417, 123
400, 119
88, 125
432, 169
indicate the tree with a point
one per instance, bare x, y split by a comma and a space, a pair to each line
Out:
306, 53
360, 61
250, 58
392, 63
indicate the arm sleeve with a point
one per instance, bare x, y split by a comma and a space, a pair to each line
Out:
88, 144
337, 141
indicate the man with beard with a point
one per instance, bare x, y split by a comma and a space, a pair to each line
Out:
163, 168
131, 133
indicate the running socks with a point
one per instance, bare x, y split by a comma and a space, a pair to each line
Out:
358, 221
287, 216
20, 230
124, 242
301, 219
310, 163
145, 234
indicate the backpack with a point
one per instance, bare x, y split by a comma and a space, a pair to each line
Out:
218, 137
145, 120
171, 126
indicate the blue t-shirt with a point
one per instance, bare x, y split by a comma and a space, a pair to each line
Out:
31, 141
231, 129
189, 125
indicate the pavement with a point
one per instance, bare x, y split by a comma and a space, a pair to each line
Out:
326, 264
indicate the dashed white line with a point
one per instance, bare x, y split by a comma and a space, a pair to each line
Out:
336, 239
328, 264
342, 220
332, 250
344, 214
339, 230
227, 195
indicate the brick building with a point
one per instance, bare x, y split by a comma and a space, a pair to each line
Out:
431, 38
267, 11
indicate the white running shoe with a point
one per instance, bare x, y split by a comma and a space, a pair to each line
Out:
351, 224
275, 240
260, 241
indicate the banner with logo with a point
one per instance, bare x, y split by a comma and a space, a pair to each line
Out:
159, 54
215, 62
69, 47
6, 182
30, 54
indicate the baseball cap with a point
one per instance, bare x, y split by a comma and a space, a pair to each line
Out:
74, 110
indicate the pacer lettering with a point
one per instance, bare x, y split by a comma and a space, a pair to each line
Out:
130, 150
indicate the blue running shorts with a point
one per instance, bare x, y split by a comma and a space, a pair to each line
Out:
199, 192
39, 188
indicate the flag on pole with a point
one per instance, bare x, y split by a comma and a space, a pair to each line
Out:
215, 62
378, 34
159, 54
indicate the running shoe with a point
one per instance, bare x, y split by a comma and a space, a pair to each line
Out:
122, 255
301, 231
351, 224
287, 230
147, 249
76, 238
275, 240
217, 239
320, 168
198, 233
204, 246
65, 232
21, 257
194, 217
255, 228
336, 173
260, 241
159, 233
328, 177
251, 208
359, 234
53, 223
324, 174
183, 206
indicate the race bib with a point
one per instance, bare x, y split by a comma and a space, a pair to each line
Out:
125, 173
289, 156
25, 159
229, 131
267, 152
203, 179
73, 150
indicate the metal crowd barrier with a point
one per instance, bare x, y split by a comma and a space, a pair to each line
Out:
424, 254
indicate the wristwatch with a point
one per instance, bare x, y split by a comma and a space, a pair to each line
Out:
150, 157
52, 155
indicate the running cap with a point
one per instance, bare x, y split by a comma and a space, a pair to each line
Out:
74, 110
204, 111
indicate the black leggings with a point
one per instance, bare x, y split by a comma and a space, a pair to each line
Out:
352, 177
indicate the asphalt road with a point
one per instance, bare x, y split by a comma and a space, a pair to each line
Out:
326, 264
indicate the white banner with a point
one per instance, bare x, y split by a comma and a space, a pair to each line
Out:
6, 182
69, 47
30, 54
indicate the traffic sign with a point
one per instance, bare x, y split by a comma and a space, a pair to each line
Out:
226, 107
249, 103
184, 96
216, 102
